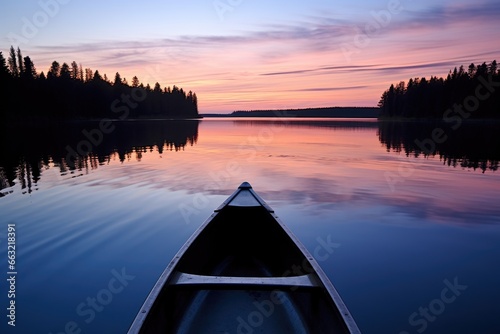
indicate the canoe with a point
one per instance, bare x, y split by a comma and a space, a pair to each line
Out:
243, 271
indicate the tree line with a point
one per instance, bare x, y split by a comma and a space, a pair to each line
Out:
68, 91
334, 112
474, 92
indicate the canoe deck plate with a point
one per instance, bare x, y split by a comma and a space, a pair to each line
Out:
244, 198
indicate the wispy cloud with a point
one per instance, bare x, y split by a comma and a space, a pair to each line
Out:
326, 89
441, 15
324, 68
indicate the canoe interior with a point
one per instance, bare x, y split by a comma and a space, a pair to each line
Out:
243, 241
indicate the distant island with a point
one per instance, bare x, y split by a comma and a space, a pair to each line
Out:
69, 92
464, 94
332, 112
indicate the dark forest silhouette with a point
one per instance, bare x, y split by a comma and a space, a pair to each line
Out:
473, 93
72, 92
333, 112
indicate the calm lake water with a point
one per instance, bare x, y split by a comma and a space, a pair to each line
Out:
414, 229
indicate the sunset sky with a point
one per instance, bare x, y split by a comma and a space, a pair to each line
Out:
243, 54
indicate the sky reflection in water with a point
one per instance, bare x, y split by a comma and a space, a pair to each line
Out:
403, 224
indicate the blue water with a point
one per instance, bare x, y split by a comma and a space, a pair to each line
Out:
92, 242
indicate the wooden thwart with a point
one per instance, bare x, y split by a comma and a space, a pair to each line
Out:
233, 282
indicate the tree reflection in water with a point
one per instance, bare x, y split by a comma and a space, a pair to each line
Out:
474, 145
27, 150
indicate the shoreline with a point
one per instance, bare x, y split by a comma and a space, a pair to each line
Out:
328, 112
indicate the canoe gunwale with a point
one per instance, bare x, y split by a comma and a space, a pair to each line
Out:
164, 278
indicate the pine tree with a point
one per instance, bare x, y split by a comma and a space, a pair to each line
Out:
135, 82
118, 79
75, 73
14, 70
195, 103
157, 88
54, 71
80, 71
493, 67
29, 69
4, 70
472, 70
20, 63
482, 70
89, 75
65, 71
97, 76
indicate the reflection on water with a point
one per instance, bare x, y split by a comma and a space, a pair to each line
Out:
345, 123
474, 145
27, 151
404, 224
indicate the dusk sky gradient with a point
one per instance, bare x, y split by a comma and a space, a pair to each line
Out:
242, 54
